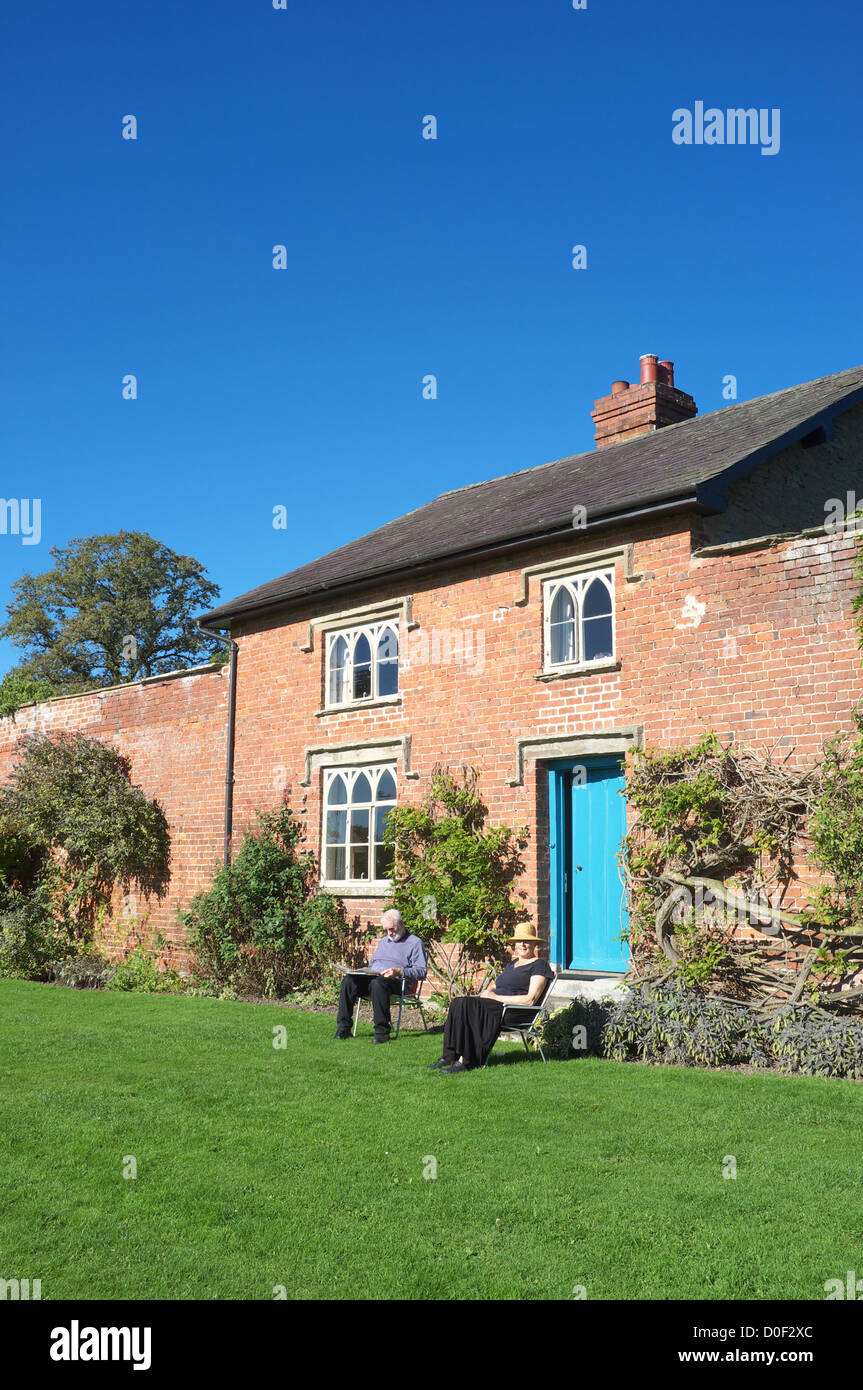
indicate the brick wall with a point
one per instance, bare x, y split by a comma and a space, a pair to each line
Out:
759, 645
173, 729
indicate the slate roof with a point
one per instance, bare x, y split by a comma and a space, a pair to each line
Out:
695, 458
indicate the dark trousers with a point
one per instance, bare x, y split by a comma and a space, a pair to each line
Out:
471, 1029
361, 986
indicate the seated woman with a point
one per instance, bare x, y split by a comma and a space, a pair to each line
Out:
473, 1022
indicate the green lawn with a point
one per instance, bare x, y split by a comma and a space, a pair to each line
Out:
303, 1167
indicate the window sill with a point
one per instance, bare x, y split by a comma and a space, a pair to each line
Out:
589, 668
366, 888
385, 700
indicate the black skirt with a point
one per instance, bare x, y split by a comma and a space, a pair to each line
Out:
471, 1027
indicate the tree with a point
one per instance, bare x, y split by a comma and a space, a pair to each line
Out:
17, 690
113, 609
452, 879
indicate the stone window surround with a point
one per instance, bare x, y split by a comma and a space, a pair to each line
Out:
363, 753
352, 888
358, 754
373, 633
593, 743
399, 608
577, 668
575, 564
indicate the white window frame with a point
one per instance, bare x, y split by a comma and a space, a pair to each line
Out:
577, 584
349, 774
352, 635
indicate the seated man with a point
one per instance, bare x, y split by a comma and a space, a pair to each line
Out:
398, 956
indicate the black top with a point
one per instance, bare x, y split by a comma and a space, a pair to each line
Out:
516, 978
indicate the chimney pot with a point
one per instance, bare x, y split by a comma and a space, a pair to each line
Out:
636, 409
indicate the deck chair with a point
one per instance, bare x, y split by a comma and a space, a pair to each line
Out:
529, 1018
409, 997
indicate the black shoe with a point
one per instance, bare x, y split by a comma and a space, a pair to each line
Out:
456, 1066
341, 1035
382, 1037
439, 1064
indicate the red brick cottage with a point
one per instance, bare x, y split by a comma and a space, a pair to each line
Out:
689, 574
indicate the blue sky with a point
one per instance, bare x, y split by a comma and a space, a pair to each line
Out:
406, 257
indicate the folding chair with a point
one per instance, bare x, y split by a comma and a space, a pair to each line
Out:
409, 997
528, 1028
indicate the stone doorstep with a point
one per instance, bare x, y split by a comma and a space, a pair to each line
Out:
586, 987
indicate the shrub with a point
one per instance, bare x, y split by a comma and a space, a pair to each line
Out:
262, 928
87, 971
17, 690
139, 972
837, 829
805, 1042
669, 1023
557, 1030
20, 859
30, 938
453, 879
315, 996
324, 934
70, 805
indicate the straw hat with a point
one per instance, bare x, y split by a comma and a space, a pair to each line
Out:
524, 934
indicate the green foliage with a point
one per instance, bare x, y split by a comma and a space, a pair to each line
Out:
557, 1030
90, 970
315, 997
704, 953
716, 813
17, 690
670, 1023
837, 830
803, 1042
30, 938
857, 601
262, 928
682, 805
71, 827
20, 859
453, 878
140, 972
73, 799
114, 608
324, 935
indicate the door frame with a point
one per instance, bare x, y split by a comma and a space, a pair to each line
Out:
560, 850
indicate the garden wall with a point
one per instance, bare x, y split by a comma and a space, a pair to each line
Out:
173, 730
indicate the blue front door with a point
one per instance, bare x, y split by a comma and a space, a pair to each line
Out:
587, 821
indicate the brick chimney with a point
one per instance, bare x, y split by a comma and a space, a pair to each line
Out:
641, 408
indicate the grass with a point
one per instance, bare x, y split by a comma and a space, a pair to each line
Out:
303, 1167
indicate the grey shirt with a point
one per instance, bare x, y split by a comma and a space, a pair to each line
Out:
408, 954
